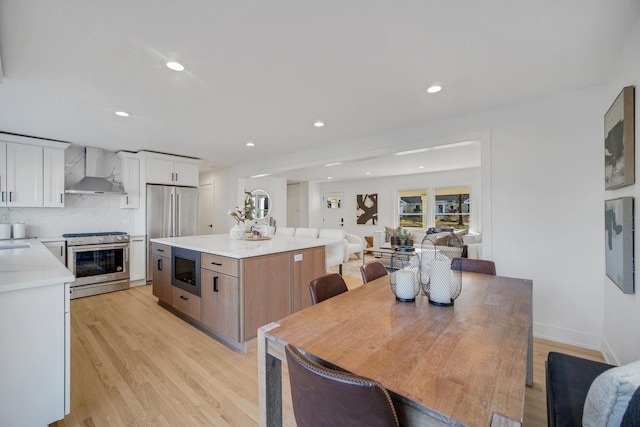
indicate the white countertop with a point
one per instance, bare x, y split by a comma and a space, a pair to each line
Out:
30, 267
222, 244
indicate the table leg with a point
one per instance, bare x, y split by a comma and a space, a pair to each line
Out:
269, 381
530, 356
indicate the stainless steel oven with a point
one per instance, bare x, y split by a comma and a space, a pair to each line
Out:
100, 262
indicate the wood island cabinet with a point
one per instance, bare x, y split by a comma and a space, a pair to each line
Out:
239, 295
161, 258
266, 282
186, 302
305, 266
220, 302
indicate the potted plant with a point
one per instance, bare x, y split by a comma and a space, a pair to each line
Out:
395, 238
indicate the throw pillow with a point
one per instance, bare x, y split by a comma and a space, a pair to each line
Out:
389, 232
609, 396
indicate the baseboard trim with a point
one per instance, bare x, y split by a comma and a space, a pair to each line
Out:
568, 336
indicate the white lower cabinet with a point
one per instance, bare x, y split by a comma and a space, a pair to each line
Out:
137, 261
59, 249
34, 355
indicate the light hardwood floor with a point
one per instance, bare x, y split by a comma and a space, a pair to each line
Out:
135, 364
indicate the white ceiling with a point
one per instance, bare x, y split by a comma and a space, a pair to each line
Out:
265, 70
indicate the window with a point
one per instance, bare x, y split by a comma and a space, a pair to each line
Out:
452, 207
412, 208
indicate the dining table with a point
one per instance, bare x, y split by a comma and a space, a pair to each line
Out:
462, 365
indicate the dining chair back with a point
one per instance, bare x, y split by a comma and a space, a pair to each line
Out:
474, 265
285, 231
325, 287
306, 232
324, 397
372, 270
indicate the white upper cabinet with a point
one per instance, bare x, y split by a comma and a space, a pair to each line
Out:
130, 170
24, 175
171, 170
31, 172
186, 174
53, 170
3, 173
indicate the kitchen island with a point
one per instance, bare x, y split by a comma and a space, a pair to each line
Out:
34, 326
237, 285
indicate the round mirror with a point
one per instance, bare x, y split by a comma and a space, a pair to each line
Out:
261, 204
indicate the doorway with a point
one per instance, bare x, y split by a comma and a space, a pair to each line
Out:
333, 210
205, 193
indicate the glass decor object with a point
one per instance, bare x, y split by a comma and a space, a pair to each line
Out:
403, 274
438, 280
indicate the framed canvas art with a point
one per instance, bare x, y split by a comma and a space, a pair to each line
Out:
367, 209
619, 168
618, 228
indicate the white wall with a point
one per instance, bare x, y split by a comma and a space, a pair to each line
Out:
386, 189
621, 327
542, 203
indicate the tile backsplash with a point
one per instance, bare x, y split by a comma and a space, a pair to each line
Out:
82, 213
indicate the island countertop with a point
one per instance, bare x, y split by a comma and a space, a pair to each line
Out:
29, 265
223, 245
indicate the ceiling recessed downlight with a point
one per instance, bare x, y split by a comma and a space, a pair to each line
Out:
318, 123
122, 114
175, 66
434, 88
367, 173
333, 164
260, 175
250, 144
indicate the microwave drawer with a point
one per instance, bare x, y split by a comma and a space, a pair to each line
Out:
221, 264
161, 250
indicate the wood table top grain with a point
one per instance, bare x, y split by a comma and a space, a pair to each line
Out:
462, 363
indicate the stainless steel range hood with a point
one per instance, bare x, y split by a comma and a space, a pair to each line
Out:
92, 183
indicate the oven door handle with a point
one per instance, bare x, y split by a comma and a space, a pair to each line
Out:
91, 248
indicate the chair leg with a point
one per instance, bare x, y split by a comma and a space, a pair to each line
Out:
340, 269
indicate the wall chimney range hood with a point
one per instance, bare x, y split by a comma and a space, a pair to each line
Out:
92, 183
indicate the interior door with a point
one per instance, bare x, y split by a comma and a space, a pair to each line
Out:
206, 209
333, 210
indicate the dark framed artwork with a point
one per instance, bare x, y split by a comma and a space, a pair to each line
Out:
619, 168
618, 228
367, 209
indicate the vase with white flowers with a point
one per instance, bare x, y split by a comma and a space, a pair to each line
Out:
241, 216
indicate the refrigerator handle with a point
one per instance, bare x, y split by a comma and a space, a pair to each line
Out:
171, 218
178, 214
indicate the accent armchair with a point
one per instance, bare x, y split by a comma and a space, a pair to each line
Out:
356, 245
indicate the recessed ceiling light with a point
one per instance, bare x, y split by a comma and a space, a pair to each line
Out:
250, 144
260, 175
420, 167
122, 114
333, 164
175, 66
434, 88
368, 173
318, 124
329, 177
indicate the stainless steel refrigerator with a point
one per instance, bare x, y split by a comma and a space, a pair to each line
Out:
171, 212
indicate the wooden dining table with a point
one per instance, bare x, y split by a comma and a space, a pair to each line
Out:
464, 365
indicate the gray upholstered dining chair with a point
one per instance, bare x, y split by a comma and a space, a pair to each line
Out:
474, 265
327, 286
324, 397
372, 270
